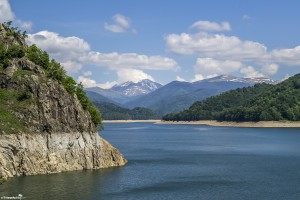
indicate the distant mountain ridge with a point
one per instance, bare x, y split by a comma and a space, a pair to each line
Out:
174, 96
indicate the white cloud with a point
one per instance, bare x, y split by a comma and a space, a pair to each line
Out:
87, 73
198, 77
87, 82
74, 52
107, 85
120, 24
270, 69
66, 50
211, 26
178, 78
124, 75
215, 45
25, 25
116, 61
6, 13
287, 56
220, 47
250, 72
133, 75
208, 66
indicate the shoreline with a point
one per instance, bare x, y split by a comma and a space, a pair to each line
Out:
260, 124
132, 121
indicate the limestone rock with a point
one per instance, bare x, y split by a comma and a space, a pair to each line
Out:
30, 154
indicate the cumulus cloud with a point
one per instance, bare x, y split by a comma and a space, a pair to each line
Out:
178, 78
25, 25
107, 85
287, 56
209, 66
134, 75
197, 77
270, 69
87, 82
74, 53
219, 47
116, 61
250, 72
6, 14
215, 45
211, 26
120, 24
87, 73
66, 50
124, 75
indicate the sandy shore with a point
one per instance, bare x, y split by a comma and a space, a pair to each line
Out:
131, 121
216, 123
238, 124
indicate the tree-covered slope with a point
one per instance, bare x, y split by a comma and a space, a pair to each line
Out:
111, 111
36, 95
261, 102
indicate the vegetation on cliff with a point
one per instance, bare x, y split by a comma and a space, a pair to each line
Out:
261, 102
20, 65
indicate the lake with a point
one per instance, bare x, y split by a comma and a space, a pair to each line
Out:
181, 162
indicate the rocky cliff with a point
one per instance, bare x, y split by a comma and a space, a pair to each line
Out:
30, 154
44, 127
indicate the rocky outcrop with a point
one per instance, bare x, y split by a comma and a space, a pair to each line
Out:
30, 154
52, 109
44, 129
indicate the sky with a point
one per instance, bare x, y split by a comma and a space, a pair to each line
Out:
107, 42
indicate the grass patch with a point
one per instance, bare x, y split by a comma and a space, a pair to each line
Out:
22, 72
9, 104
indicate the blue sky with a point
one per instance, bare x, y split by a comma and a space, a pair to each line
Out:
101, 43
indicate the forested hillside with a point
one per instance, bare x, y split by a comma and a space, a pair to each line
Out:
261, 102
112, 111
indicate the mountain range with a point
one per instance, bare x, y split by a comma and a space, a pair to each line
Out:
172, 97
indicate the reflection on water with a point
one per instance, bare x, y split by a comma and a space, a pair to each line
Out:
181, 162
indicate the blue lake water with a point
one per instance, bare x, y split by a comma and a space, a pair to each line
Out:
181, 162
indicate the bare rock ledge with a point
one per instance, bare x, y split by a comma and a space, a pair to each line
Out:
31, 154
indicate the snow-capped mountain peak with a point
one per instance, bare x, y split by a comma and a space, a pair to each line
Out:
130, 88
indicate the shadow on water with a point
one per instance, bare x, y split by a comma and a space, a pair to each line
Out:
86, 184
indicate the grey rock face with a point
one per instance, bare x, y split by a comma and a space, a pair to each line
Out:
30, 154
59, 134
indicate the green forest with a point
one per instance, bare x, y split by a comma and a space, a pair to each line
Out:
112, 111
261, 102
